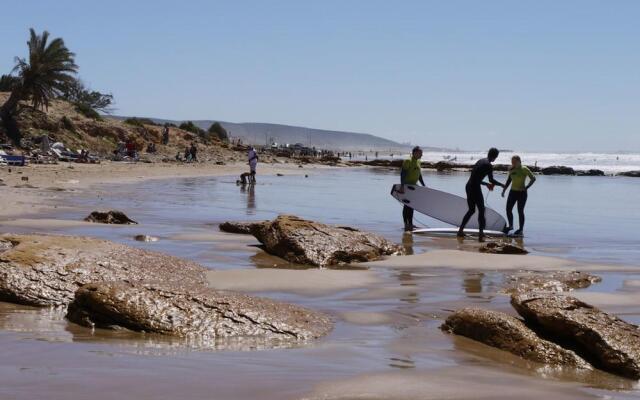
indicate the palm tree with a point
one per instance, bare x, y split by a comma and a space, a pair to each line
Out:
50, 66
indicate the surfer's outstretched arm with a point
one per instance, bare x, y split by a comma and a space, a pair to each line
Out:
506, 185
421, 180
495, 182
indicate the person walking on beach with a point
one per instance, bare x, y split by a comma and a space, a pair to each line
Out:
165, 135
410, 174
518, 194
475, 199
252, 156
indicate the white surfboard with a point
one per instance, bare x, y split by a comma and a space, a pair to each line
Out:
454, 231
445, 207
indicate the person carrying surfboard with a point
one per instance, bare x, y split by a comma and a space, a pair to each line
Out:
410, 174
475, 199
518, 194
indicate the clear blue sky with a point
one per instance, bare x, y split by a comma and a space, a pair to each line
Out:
537, 75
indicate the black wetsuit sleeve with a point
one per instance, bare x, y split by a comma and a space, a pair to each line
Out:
422, 181
492, 179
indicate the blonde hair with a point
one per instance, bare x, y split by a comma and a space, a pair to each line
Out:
515, 158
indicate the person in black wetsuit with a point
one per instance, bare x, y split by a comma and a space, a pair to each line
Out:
482, 169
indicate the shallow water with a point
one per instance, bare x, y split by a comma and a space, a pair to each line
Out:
386, 343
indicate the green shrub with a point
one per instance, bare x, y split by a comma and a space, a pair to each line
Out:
87, 111
141, 122
191, 127
218, 130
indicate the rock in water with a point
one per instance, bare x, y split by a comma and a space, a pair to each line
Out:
306, 242
145, 238
608, 342
559, 281
240, 227
502, 248
558, 170
507, 333
630, 174
192, 312
110, 217
43, 270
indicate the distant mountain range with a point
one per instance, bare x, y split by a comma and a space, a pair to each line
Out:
263, 133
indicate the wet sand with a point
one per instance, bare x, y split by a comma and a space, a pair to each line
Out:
386, 345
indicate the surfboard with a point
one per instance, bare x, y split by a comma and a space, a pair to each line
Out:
445, 207
454, 231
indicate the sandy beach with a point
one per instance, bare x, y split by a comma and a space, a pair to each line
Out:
386, 343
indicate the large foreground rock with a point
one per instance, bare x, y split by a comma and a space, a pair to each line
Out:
557, 281
502, 248
306, 242
507, 333
192, 312
606, 341
43, 270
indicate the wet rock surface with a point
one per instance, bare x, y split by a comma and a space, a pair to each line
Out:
306, 242
502, 248
508, 333
110, 217
558, 281
194, 311
239, 227
606, 341
44, 270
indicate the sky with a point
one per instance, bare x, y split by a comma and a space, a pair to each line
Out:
524, 75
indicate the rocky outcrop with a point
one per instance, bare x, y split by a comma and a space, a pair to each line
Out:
630, 174
507, 333
44, 270
590, 172
239, 227
502, 248
109, 217
606, 341
192, 312
558, 170
442, 166
306, 242
559, 281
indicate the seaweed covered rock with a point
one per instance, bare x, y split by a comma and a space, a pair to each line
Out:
110, 217
606, 341
558, 170
192, 312
46, 270
306, 242
508, 333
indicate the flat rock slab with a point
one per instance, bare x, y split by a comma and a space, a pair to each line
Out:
508, 333
110, 217
239, 227
195, 311
44, 270
606, 341
557, 281
306, 242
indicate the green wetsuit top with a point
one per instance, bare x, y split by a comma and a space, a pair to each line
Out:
411, 171
518, 177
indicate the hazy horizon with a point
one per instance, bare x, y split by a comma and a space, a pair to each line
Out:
530, 76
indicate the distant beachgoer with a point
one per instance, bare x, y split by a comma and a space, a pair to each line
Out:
410, 174
187, 154
518, 194
165, 135
194, 152
252, 156
131, 148
475, 199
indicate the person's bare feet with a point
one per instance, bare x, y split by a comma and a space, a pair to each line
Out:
481, 238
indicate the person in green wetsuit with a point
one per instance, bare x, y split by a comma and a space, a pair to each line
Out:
410, 174
518, 175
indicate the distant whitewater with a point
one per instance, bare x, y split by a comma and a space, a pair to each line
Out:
610, 163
